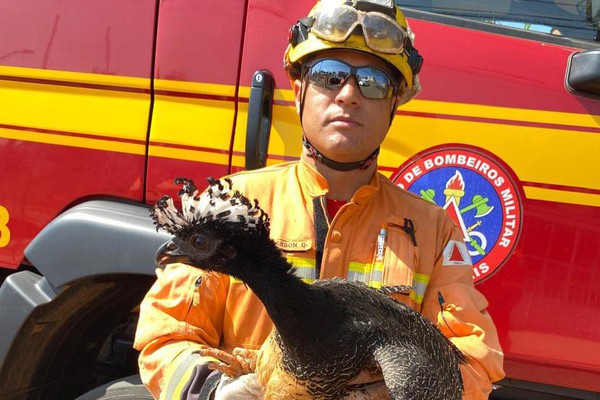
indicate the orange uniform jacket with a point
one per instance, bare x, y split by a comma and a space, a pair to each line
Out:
187, 309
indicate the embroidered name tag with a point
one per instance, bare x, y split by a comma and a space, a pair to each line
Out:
293, 245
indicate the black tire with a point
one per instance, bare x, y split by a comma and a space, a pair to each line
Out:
128, 388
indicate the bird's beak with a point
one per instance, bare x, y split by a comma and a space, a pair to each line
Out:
168, 254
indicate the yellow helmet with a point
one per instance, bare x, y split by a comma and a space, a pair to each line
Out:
335, 24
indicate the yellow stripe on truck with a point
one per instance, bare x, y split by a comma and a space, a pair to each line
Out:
192, 114
56, 106
188, 154
543, 155
193, 121
562, 196
74, 141
76, 77
502, 113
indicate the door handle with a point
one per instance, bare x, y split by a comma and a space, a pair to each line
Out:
260, 115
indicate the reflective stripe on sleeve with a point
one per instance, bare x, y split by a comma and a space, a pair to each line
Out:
420, 283
182, 374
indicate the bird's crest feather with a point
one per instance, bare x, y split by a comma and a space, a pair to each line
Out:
219, 203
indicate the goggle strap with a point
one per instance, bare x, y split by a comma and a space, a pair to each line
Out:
339, 166
367, 6
299, 32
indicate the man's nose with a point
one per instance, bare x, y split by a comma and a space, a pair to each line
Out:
349, 92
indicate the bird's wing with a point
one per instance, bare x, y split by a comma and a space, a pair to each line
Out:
405, 370
402, 289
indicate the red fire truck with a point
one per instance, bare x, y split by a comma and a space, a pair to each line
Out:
104, 102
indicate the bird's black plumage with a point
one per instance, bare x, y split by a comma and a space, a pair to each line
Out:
327, 332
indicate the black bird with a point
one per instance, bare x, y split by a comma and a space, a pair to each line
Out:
326, 333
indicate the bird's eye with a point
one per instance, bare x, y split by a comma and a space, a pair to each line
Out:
199, 242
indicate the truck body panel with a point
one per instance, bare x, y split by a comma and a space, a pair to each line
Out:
111, 100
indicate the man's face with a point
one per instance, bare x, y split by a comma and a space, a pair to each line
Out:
343, 124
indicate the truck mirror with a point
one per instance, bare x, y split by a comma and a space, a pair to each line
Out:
583, 73
592, 11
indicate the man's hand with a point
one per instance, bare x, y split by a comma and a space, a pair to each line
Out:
238, 381
245, 387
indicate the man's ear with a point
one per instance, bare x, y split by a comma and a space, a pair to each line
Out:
298, 94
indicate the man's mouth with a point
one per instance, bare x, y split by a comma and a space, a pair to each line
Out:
344, 120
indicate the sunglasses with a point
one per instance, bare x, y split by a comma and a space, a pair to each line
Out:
381, 32
331, 73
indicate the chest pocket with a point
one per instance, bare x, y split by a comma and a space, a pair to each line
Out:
401, 257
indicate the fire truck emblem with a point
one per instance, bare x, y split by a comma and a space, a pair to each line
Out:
478, 195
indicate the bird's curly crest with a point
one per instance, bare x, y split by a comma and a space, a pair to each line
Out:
218, 203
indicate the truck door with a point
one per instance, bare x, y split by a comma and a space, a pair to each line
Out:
195, 91
501, 139
74, 107
265, 41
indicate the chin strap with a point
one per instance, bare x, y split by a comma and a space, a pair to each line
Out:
339, 166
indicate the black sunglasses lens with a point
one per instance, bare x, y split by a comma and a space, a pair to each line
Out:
373, 82
329, 74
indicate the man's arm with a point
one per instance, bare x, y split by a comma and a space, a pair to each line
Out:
459, 310
180, 315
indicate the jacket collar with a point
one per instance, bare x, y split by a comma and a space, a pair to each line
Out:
315, 185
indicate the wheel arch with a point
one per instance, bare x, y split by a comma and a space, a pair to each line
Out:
109, 236
96, 262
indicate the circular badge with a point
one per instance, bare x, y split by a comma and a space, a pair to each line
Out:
477, 193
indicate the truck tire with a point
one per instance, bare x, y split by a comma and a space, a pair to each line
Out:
128, 388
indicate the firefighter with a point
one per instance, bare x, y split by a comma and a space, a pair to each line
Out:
351, 63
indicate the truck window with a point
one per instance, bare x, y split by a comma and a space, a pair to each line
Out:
558, 18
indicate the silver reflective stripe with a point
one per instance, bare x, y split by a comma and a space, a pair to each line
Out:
375, 276
307, 274
370, 274
180, 373
304, 268
420, 283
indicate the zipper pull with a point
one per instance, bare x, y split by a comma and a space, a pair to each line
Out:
441, 301
409, 227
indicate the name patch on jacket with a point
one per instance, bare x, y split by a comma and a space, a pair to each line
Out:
456, 254
293, 245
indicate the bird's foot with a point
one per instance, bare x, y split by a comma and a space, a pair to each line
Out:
239, 362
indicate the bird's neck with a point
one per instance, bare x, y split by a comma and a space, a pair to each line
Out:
298, 310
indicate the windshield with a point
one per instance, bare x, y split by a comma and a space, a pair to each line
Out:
559, 17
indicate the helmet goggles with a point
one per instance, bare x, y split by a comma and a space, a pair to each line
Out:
331, 73
336, 22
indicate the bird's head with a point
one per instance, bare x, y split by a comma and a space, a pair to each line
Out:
212, 228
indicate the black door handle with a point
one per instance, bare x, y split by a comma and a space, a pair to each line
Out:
260, 113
